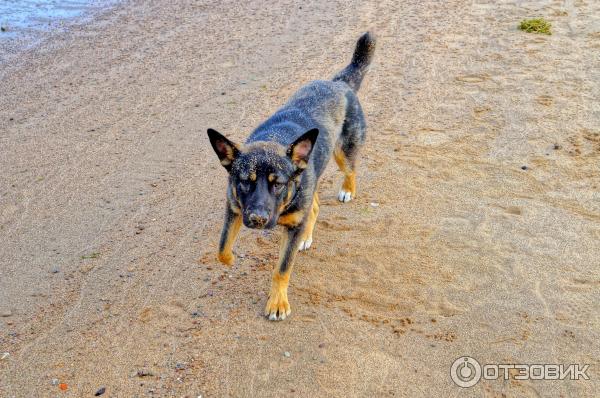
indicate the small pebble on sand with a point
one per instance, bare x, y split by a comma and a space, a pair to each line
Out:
100, 391
144, 373
287, 354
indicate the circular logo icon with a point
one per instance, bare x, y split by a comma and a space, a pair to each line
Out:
465, 372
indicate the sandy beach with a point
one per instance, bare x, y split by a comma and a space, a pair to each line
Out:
476, 230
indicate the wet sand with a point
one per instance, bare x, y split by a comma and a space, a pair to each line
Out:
482, 160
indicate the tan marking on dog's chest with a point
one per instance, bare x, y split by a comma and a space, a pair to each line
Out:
291, 219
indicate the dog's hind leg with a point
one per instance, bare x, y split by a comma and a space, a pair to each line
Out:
348, 190
231, 228
311, 220
348, 145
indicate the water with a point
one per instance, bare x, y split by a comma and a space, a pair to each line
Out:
19, 18
23, 22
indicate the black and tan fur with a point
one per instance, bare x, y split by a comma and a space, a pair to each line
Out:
273, 177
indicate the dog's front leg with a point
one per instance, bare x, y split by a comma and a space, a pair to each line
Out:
231, 227
278, 307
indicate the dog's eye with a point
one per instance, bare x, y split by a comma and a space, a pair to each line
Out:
244, 185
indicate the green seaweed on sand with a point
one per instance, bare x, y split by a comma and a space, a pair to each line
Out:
536, 25
92, 255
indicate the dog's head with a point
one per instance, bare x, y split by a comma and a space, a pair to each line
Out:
263, 174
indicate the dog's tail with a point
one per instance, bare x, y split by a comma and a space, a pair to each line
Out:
354, 73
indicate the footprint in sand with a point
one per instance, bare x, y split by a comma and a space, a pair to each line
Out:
174, 309
481, 109
585, 143
445, 308
430, 136
581, 284
572, 302
333, 225
545, 100
513, 210
474, 78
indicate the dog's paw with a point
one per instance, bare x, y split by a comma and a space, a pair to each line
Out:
278, 307
305, 244
344, 196
226, 258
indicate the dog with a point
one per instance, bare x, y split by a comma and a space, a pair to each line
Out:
273, 177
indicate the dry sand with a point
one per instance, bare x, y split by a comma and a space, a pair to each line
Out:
110, 193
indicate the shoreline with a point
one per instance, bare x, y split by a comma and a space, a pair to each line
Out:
28, 36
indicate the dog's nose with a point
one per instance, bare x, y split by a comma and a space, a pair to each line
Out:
258, 218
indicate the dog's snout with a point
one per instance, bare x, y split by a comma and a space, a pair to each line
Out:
258, 218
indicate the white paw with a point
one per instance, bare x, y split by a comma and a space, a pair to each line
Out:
344, 196
305, 244
278, 307
274, 317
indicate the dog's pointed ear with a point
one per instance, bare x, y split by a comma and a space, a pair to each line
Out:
299, 151
226, 150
